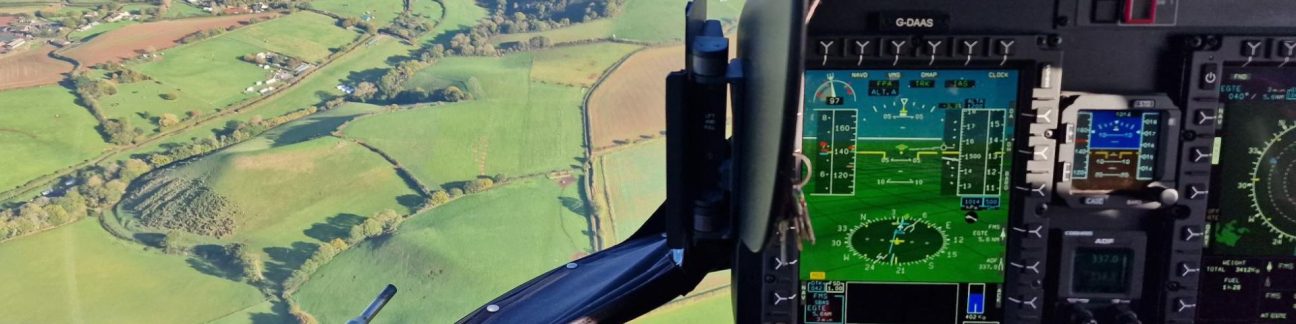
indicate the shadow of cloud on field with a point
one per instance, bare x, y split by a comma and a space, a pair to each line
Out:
334, 227
283, 260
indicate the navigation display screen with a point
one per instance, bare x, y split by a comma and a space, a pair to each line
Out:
1115, 149
909, 178
1250, 263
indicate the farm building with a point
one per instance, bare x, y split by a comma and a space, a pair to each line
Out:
11, 40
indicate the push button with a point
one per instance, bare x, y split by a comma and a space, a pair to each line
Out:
971, 47
1209, 76
1005, 47
934, 47
1287, 48
1253, 48
863, 47
828, 47
1204, 117
899, 47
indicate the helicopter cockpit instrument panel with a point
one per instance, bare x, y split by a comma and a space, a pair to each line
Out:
957, 176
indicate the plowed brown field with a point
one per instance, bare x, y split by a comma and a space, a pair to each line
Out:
32, 67
631, 101
128, 41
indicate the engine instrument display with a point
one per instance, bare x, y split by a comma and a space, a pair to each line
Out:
910, 172
1250, 264
1115, 149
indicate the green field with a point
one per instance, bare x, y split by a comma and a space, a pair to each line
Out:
43, 130
454, 258
579, 65
290, 182
519, 127
367, 59
635, 180
598, 29
316, 88
715, 309
182, 9
78, 274
859, 237
381, 11
135, 98
305, 35
210, 70
656, 21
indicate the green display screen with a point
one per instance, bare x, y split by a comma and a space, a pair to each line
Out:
909, 179
1102, 270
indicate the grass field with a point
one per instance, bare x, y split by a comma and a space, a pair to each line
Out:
577, 65
290, 182
32, 67
381, 11
79, 274
182, 9
135, 98
209, 71
656, 21
598, 29
713, 309
454, 258
43, 130
316, 88
460, 14
519, 127
305, 35
212, 71
635, 182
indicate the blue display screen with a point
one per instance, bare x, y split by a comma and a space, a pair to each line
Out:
1113, 129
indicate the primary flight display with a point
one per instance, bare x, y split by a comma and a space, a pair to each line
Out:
909, 175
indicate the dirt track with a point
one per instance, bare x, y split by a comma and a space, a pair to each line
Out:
32, 67
128, 41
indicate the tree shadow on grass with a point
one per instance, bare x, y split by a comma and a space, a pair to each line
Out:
283, 260
413, 202
211, 259
309, 129
279, 314
338, 226
575, 205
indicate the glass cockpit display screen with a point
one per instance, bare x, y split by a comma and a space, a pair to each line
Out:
1115, 149
908, 189
1250, 261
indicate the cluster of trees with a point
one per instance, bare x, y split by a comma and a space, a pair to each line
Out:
89, 191
559, 10
410, 26
478, 185
243, 263
379, 224
175, 203
119, 131
272, 59
202, 34
119, 73
366, 26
